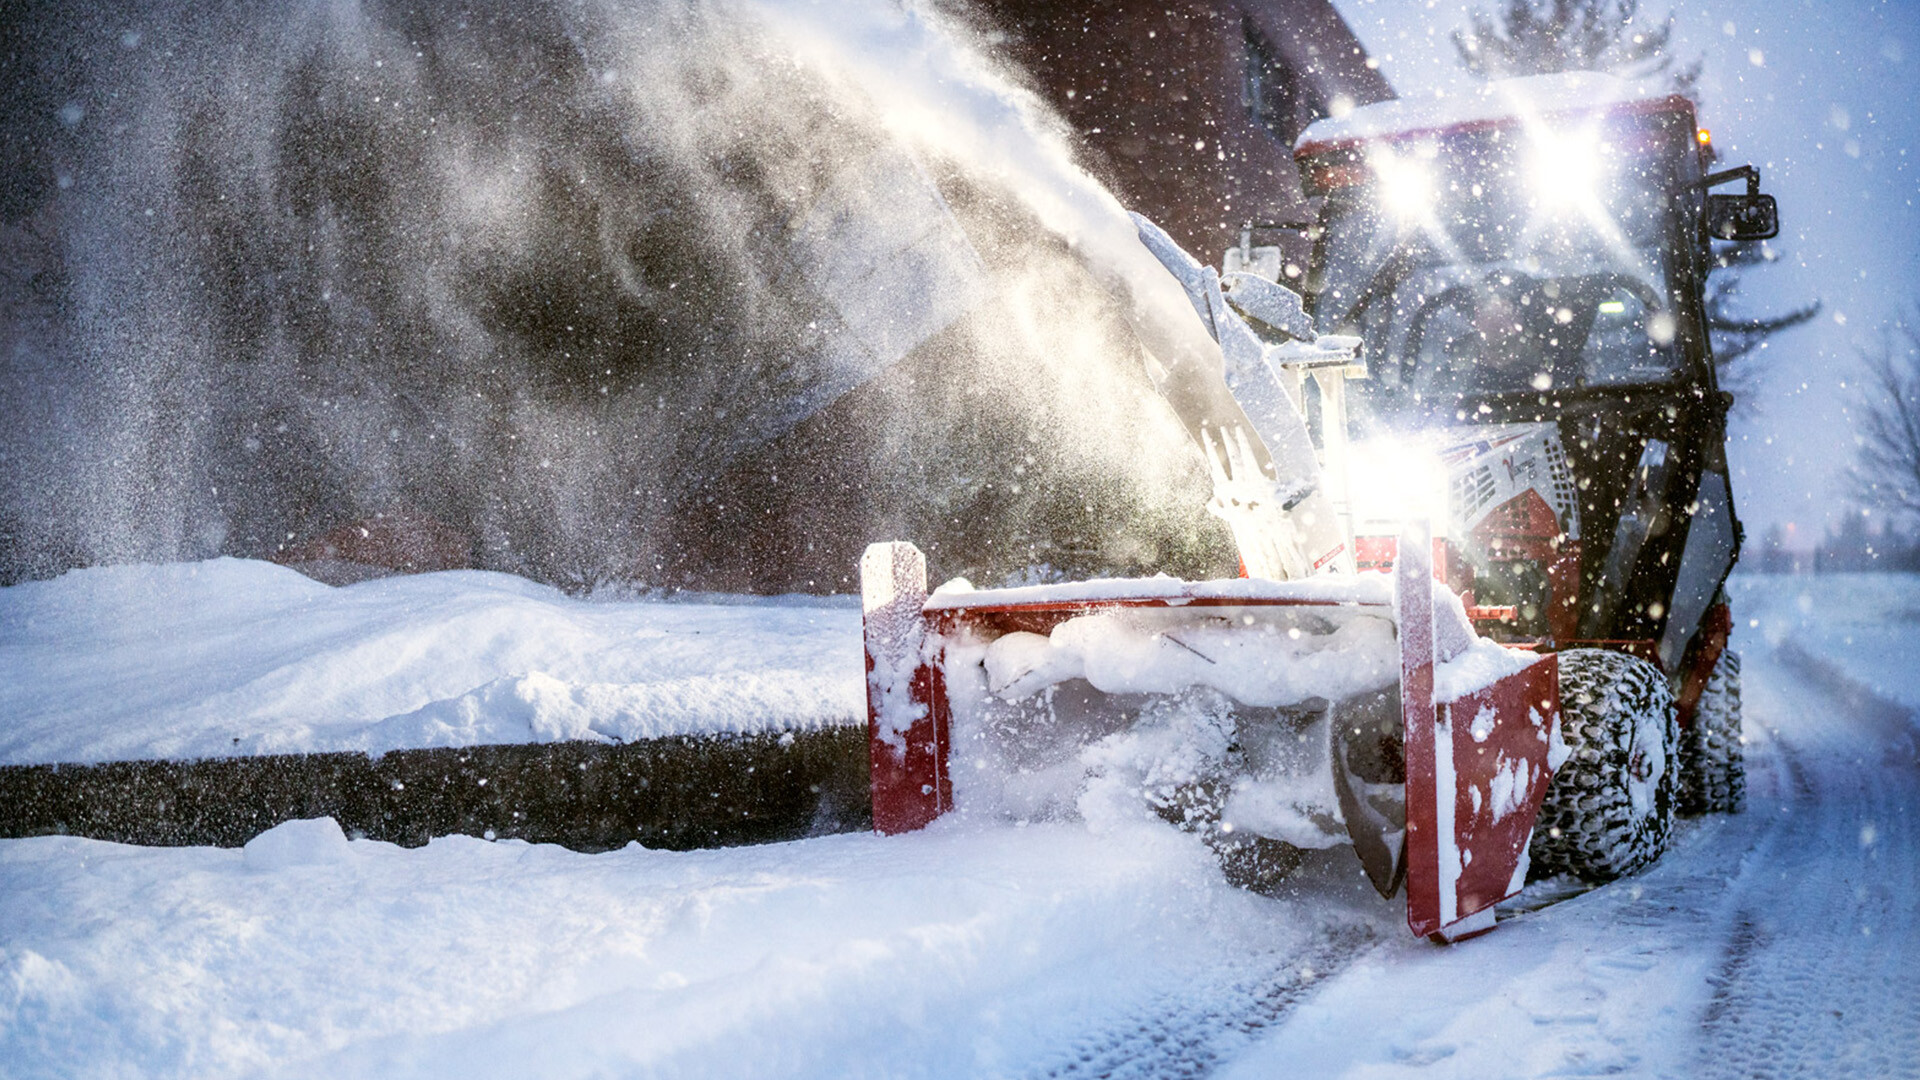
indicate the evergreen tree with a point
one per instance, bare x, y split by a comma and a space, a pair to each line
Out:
1535, 37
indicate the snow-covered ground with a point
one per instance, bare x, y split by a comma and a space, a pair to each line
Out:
1782, 941
231, 657
1865, 627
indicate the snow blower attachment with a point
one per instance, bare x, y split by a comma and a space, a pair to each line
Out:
1266, 716
1302, 706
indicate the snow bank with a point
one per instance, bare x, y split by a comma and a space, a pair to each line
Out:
949, 953
232, 657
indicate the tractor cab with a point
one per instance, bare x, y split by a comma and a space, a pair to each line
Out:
1525, 266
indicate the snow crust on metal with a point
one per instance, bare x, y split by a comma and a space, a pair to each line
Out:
1464, 662
1557, 94
1366, 590
1260, 663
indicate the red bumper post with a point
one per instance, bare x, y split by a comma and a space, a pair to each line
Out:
907, 711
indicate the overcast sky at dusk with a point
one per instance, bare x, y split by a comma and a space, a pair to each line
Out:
1821, 95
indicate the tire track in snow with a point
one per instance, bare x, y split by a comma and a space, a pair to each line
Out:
1821, 971
1192, 1030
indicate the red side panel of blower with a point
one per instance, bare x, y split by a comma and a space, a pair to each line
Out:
1476, 772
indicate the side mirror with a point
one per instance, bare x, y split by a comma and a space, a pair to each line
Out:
1752, 216
1742, 217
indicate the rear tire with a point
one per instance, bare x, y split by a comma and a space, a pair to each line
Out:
1713, 760
1609, 810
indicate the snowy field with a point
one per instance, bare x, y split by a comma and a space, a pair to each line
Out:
1779, 942
233, 657
1865, 627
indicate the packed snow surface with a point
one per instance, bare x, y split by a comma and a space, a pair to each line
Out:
233, 657
1783, 941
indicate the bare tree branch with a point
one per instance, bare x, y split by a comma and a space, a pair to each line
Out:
1886, 472
1736, 336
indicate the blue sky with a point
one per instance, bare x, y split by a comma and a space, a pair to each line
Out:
1823, 95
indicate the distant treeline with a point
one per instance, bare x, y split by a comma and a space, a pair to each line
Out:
1862, 541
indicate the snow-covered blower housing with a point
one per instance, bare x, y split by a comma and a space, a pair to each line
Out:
1357, 708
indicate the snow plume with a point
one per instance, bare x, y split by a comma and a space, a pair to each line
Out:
682, 291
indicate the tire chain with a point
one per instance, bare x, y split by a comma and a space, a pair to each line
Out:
1712, 756
1587, 825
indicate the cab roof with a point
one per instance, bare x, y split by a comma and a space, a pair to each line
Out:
1495, 104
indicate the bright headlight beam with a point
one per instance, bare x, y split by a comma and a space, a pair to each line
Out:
1563, 171
1393, 480
1406, 188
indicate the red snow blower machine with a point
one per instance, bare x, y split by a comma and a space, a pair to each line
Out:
1478, 484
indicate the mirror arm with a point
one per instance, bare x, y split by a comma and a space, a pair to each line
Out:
1752, 175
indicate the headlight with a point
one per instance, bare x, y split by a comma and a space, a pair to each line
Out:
1395, 480
1564, 172
1406, 188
